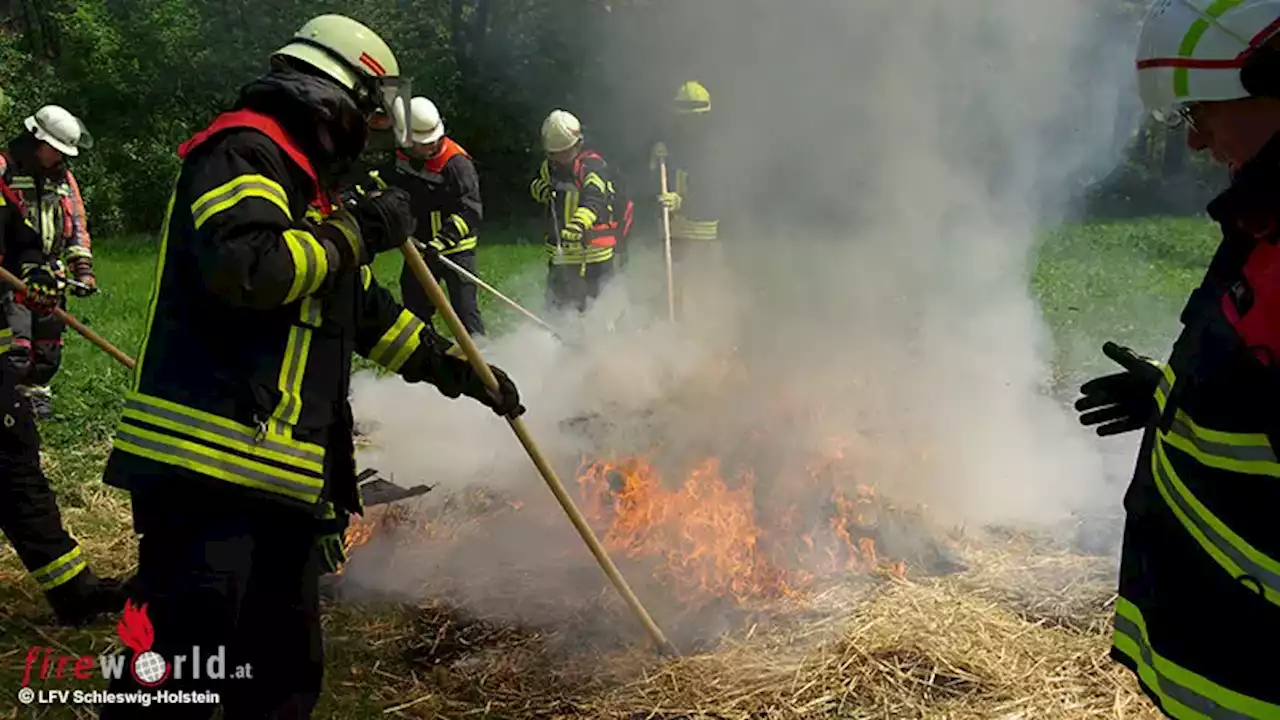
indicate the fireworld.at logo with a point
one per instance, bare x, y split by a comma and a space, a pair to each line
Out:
146, 666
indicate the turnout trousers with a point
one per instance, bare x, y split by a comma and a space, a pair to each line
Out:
246, 583
693, 263
573, 287
29, 514
1197, 639
462, 292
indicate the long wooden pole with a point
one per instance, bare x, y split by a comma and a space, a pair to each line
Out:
666, 236
70, 320
511, 303
419, 268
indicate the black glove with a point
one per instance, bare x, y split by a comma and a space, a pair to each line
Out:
507, 401
331, 542
1124, 401
46, 287
386, 219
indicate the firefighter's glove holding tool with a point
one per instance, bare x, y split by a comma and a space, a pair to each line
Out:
368, 225
572, 232
467, 382
671, 201
46, 287
1124, 401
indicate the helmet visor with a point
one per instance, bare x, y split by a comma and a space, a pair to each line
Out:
392, 112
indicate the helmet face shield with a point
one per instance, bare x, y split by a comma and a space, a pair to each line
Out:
392, 97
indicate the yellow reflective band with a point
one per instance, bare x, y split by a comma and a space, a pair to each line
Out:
594, 180
6, 340
214, 430
155, 290
463, 228
1247, 453
1164, 387
233, 191
398, 342
377, 180
61, 570
78, 251
577, 255
217, 464
310, 264
694, 229
465, 244
1183, 694
366, 276
585, 217
1242, 561
293, 368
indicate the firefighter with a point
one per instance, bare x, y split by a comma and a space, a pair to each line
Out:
576, 184
236, 440
29, 222
34, 166
444, 190
695, 225
1199, 588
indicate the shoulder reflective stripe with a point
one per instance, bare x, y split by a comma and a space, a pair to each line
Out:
61, 570
293, 369
366, 276
310, 264
435, 223
1243, 561
1183, 693
233, 191
594, 180
217, 464
215, 430
1247, 453
398, 342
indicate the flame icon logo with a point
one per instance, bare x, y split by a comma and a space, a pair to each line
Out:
148, 668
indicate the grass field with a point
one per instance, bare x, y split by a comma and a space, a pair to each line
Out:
1123, 280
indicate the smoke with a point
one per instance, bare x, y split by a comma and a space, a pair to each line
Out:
883, 170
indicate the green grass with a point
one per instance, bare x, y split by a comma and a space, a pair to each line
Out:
1124, 281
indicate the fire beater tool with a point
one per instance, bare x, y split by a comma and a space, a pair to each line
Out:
419, 268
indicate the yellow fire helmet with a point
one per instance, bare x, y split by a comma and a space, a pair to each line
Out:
692, 98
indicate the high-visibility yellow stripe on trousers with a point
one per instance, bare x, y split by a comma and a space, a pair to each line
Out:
173, 434
61, 570
1183, 694
1244, 453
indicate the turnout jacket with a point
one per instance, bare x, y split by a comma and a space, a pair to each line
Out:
1200, 570
444, 191
53, 206
19, 244
240, 391
581, 190
689, 176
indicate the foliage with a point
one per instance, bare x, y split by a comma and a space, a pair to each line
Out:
145, 74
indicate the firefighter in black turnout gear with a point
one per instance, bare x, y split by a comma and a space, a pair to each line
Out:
55, 209
236, 441
29, 514
1198, 606
444, 192
576, 184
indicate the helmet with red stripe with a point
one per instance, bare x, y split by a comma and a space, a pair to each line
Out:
357, 59
1192, 51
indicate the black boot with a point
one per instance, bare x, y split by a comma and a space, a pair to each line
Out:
86, 596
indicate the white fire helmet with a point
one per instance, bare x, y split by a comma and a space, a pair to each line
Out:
560, 131
63, 131
1192, 50
425, 122
358, 59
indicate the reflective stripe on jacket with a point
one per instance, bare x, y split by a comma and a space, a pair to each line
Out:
243, 377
